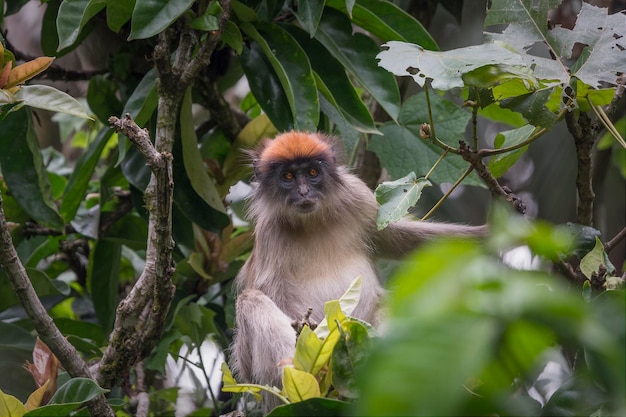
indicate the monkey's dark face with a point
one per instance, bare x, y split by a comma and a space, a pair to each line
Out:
301, 183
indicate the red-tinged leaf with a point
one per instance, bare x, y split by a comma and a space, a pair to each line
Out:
4, 75
28, 70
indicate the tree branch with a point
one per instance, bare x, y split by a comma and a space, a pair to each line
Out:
42, 322
608, 246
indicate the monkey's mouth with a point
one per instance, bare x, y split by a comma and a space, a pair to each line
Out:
306, 206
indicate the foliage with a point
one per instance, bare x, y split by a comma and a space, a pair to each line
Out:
81, 225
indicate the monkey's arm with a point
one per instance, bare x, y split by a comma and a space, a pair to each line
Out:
401, 237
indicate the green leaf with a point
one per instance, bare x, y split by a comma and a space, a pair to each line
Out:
293, 69
43, 286
73, 16
195, 321
299, 385
500, 164
333, 83
419, 155
347, 303
195, 168
49, 98
69, 396
186, 199
118, 13
16, 347
10, 406
102, 97
349, 355
231, 36
595, 28
23, 170
151, 17
356, 53
103, 280
533, 107
320, 407
309, 13
396, 197
307, 354
446, 69
266, 87
81, 329
387, 21
82, 174
592, 261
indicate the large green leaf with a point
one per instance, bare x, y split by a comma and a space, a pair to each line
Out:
194, 165
23, 170
103, 280
49, 98
356, 53
266, 87
387, 21
69, 396
81, 175
309, 13
293, 69
602, 34
151, 17
419, 155
73, 17
187, 199
395, 198
334, 84
446, 69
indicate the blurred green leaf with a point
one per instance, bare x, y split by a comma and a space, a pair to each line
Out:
349, 355
592, 261
195, 321
395, 198
23, 170
151, 17
322, 407
68, 397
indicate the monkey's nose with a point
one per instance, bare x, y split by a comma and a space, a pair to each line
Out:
303, 190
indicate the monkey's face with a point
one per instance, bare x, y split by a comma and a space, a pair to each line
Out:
301, 183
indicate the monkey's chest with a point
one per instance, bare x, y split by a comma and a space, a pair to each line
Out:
312, 284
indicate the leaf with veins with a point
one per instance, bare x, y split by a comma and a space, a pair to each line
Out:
528, 25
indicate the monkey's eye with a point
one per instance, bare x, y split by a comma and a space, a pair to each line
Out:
313, 172
288, 176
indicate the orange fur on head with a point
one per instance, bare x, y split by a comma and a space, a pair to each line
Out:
293, 145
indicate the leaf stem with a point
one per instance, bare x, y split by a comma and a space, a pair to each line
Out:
443, 155
433, 134
604, 119
447, 194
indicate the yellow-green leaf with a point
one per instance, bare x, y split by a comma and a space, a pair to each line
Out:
28, 70
34, 399
4, 74
10, 406
299, 385
308, 348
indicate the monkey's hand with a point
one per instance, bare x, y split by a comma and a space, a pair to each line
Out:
298, 325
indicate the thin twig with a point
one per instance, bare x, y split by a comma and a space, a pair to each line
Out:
608, 246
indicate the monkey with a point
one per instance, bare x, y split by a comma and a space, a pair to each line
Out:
315, 232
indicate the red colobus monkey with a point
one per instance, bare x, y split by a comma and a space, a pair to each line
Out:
315, 232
